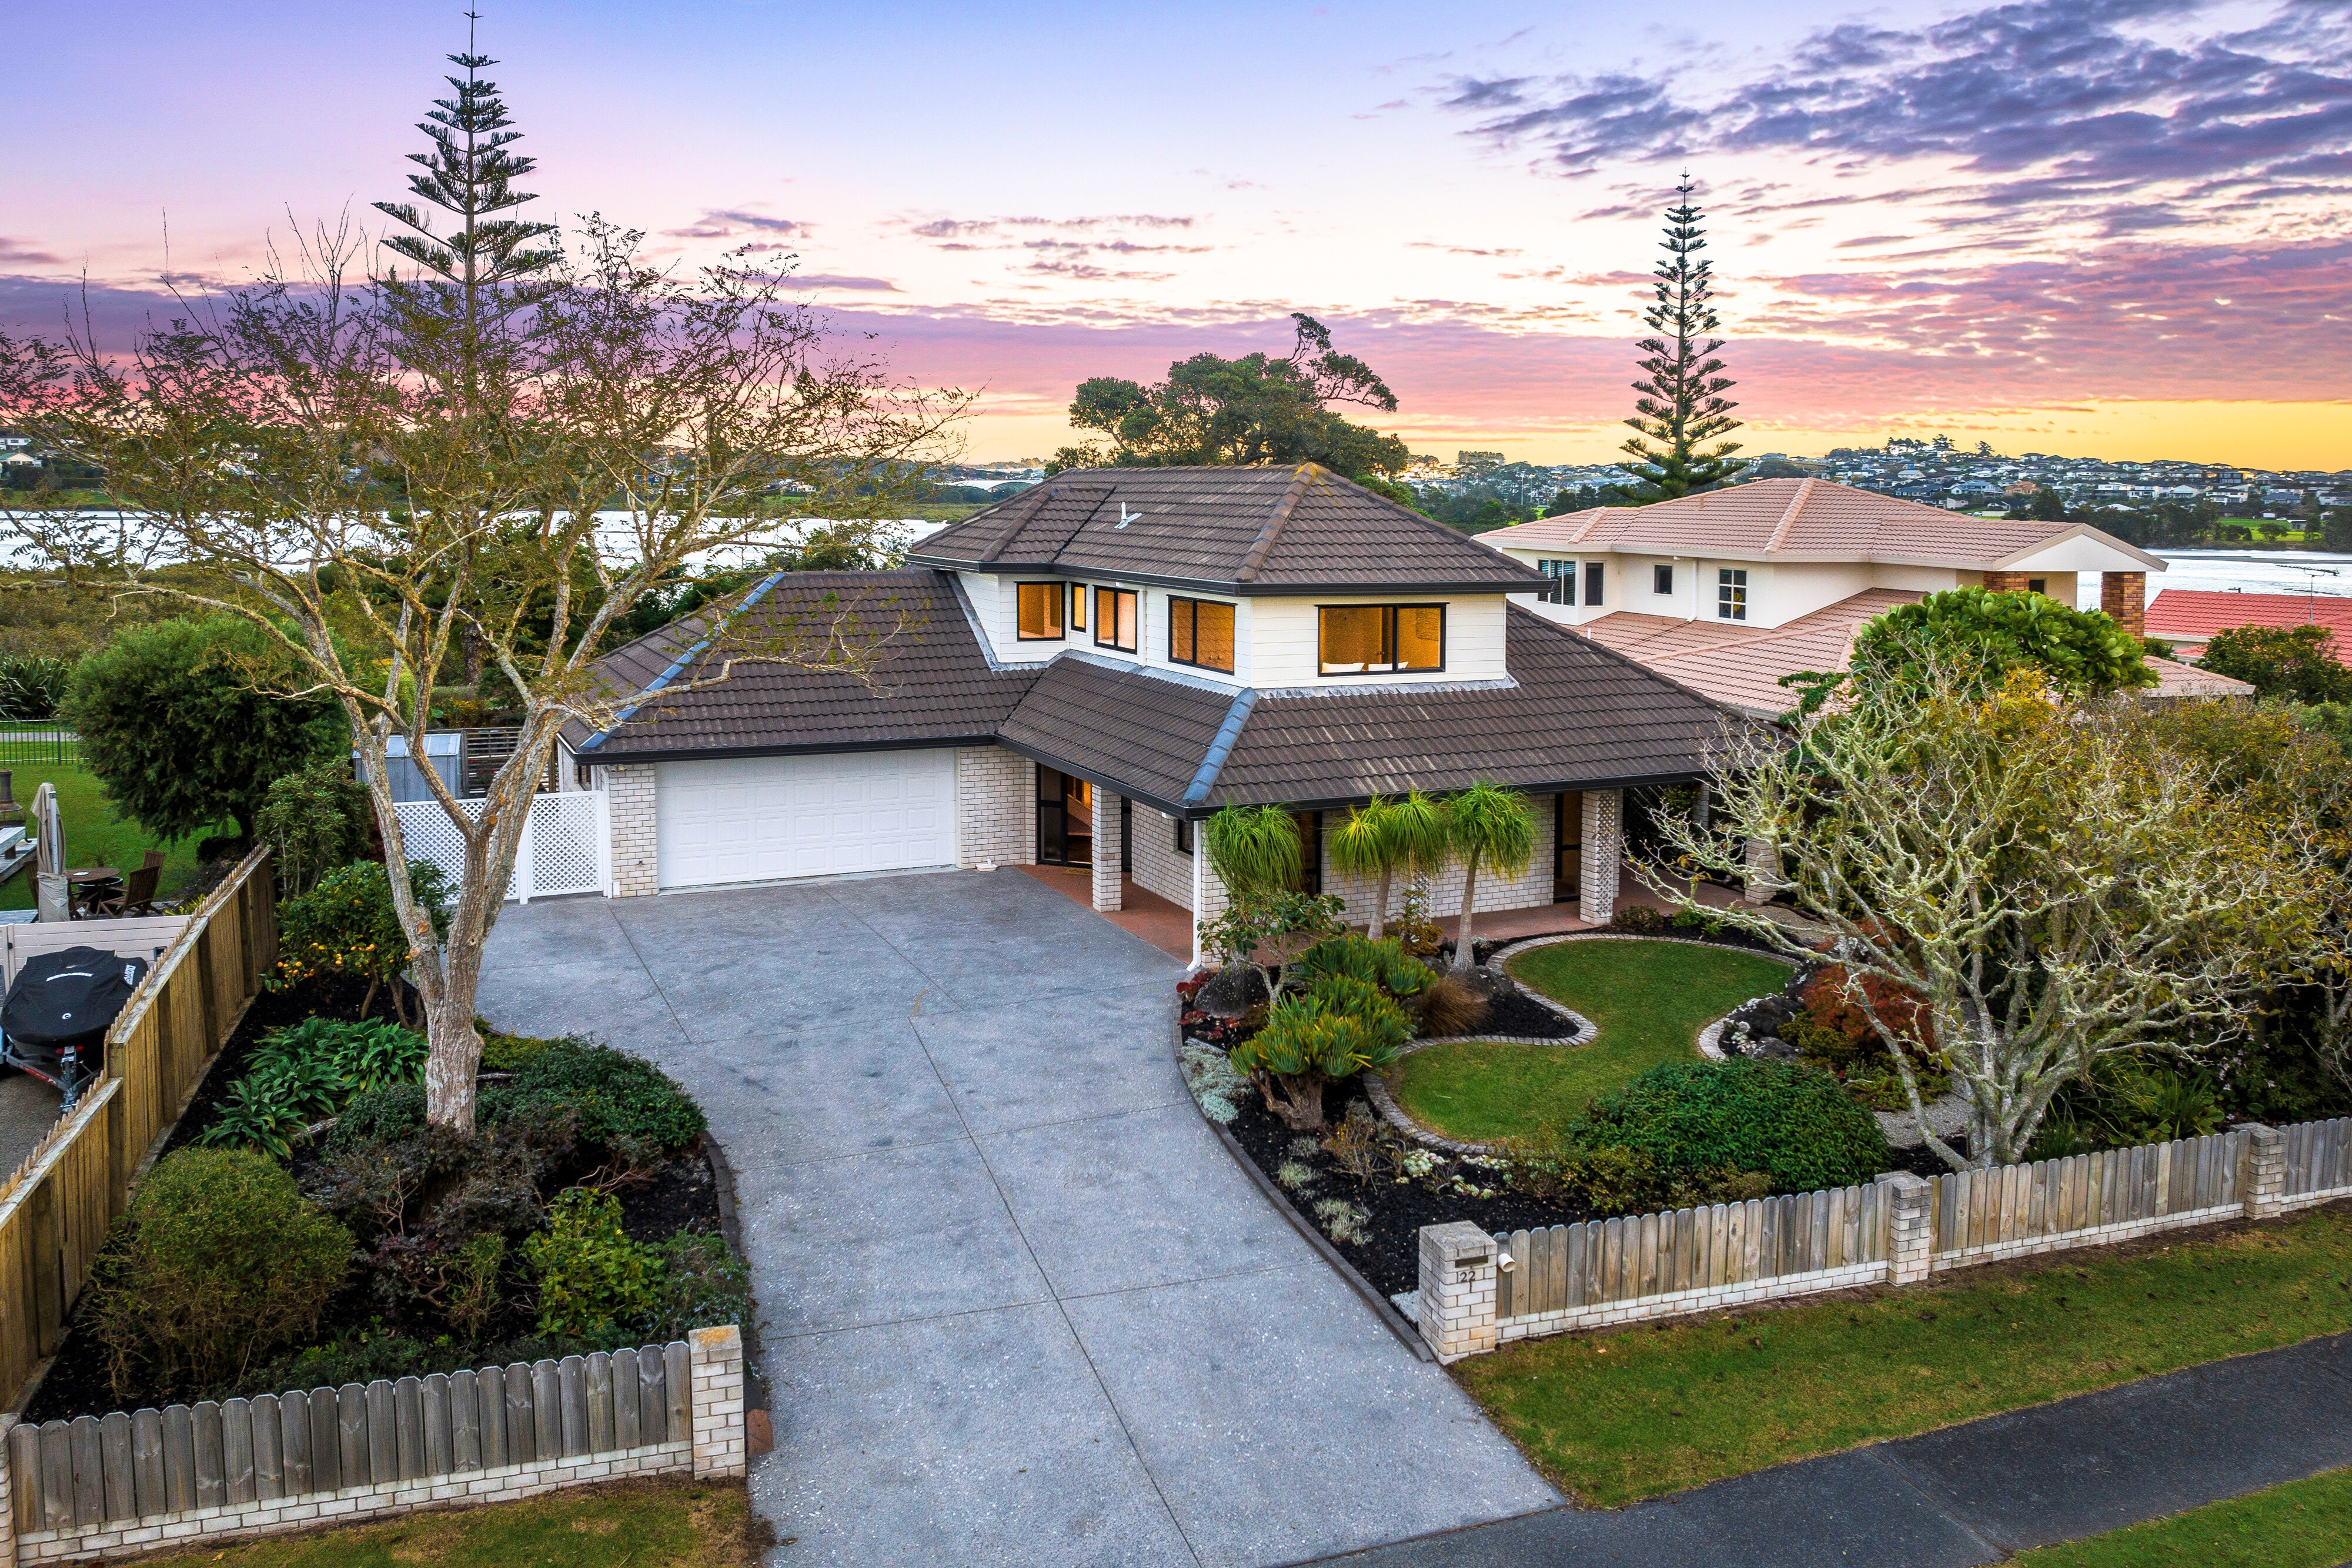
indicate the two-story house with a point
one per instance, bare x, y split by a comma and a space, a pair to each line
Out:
1728, 590
1083, 672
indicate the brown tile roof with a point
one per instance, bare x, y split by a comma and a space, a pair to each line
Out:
1579, 716
933, 685
1805, 519
1236, 530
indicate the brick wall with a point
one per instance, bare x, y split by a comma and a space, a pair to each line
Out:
996, 807
637, 853
1109, 885
1152, 846
2124, 595
2005, 581
1527, 890
1604, 855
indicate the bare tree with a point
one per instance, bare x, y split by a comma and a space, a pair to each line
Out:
2055, 882
383, 477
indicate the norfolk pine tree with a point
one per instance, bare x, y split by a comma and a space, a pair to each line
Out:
378, 469
1682, 406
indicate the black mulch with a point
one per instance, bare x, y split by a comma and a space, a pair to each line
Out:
1517, 1015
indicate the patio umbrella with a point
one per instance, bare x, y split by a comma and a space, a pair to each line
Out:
50, 867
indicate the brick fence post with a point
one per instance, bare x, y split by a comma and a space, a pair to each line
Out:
1457, 1290
1605, 851
2262, 1171
7, 1496
1910, 1231
715, 1360
1110, 853
1763, 878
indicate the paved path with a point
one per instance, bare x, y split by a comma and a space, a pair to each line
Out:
1016, 1305
1968, 1495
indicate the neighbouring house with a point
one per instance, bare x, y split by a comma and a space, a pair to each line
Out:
2188, 618
1084, 672
1728, 590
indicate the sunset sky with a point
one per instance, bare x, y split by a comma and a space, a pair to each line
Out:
2114, 228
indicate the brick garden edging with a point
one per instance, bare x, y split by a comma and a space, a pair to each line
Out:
110, 1487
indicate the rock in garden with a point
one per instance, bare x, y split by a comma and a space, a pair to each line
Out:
1489, 981
1230, 992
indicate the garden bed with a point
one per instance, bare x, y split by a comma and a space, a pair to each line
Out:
657, 1192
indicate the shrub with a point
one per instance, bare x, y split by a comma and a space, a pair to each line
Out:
392, 1111
703, 1284
304, 1070
504, 1052
31, 685
347, 926
1639, 919
593, 1279
316, 819
1334, 1030
1384, 964
1837, 1034
220, 1263
622, 1104
1453, 1006
1695, 1121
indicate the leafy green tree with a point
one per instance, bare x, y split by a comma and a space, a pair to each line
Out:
189, 722
1385, 836
1486, 825
1213, 411
315, 819
1980, 636
2046, 505
1682, 406
2297, 661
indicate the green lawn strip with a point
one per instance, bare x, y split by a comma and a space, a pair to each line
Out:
1650, 1000
93, 836
641, 1524
1615, 1416
2301, 1525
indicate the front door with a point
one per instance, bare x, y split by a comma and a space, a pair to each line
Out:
1567, 837
1065, 818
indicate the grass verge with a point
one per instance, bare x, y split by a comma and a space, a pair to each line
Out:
639, 1525
1615, 1416
2302, 1524
93, 835
1650, 1000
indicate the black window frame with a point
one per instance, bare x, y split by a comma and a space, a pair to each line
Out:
1194, 607
1595, 583
1558, 585
1079, 594
1061, 614
1184, 835
1111, 620
1445, 640
2040, 585
1662, 577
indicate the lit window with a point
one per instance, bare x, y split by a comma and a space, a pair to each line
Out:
1381, 638
1201, 632
1731, 594
1040, 611
1662, 579
1115, 619
1078, 607
1593, 582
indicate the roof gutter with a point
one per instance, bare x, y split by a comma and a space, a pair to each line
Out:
677, 666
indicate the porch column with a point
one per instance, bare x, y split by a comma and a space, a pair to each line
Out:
636, 859
1605, 851
1110, 851
1763, 872
2123, 596
2004, 582
1208, 894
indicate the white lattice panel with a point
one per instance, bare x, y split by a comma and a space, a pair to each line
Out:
563, 851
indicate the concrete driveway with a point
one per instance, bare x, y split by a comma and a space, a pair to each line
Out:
1016, 1306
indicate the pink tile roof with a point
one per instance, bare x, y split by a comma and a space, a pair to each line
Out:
1806, 519
2187, 617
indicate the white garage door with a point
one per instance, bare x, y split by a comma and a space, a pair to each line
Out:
755, 819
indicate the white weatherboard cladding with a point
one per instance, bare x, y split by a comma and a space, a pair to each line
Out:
758, 818
1284, 640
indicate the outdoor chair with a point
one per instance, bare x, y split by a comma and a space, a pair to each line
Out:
135, 896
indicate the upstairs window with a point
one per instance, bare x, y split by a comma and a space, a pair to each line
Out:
1562, 588
1040, 611
1077, 608
1731, 594
1662, 579
1115, 619
1593, 569
1381, 638
1200, 633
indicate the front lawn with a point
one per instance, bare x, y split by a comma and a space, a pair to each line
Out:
629, 1524
2301, 1525
1650, 1000
1615, 1416
93, 835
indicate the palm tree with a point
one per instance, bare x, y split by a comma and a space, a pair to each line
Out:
1254, 848
1382, 837
1486, 825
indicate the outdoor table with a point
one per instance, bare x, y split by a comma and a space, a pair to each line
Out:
83, 885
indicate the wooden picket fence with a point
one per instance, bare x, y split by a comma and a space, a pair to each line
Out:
116, 1471
56, 1207
1696, 1256
2318, 1159
2011, 1211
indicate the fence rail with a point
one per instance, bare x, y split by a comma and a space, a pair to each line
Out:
1479, 1291
56, 1207
565, 849
35, 745
103, 1485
